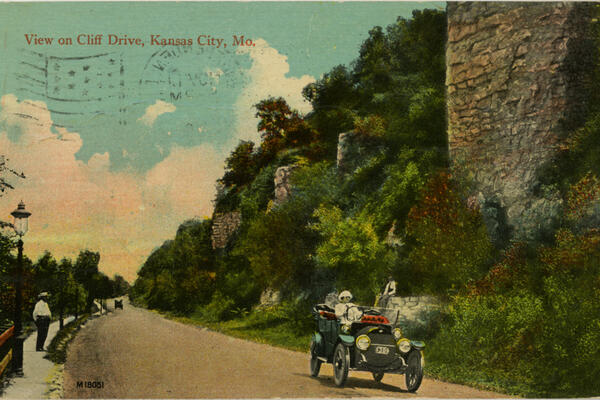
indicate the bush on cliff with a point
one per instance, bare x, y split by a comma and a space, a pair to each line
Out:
449, 241
533, 319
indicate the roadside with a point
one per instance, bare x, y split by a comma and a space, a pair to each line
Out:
57, 349
43, 371
266, 325
57, 353
36, 369
135, 353
271, 326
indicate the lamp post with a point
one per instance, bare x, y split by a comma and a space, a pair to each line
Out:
20, 225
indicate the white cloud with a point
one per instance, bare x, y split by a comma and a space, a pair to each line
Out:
77, 205
268, 77
154, 111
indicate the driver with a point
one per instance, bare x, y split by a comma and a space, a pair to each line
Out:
345, 310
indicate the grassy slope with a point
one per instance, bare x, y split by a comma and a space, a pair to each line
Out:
253, 327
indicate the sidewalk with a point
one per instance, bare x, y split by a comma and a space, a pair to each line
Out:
35, 369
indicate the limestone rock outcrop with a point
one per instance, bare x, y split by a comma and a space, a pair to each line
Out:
515, 78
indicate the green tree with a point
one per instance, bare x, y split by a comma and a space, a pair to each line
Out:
352, 248
120, 286
280, 127
180, 274
240, 166
85, 271
7, 261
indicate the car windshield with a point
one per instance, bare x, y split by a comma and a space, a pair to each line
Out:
390, 313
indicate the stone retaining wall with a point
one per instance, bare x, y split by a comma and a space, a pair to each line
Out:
413, 309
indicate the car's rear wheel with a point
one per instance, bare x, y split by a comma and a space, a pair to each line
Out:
414, 371
378, 376
341, 363
315, 363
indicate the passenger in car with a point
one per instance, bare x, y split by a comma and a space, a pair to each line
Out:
342, 308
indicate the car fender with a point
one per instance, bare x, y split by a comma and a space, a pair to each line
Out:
417, 344
319, 342
318, 339
347, 340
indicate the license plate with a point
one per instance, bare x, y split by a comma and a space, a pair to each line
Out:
382, 350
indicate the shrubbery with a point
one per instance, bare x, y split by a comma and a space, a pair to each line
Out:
450, 242
535, 318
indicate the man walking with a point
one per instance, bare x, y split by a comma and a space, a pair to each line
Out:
41, 316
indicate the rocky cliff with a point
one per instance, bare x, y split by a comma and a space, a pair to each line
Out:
516, 75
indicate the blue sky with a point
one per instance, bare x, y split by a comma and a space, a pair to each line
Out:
121, 143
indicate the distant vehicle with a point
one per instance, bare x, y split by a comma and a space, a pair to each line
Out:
371, 341
119, 304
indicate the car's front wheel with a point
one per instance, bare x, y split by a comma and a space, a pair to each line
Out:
315, 363
378, 376
341, 363
414, 371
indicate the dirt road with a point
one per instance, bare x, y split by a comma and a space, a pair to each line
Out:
135, 353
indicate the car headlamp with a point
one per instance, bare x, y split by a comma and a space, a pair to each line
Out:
404, 345
397, 334
363, 342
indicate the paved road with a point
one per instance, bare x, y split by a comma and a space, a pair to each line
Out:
138, 354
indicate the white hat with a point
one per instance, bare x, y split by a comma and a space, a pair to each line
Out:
345, 293
43, 294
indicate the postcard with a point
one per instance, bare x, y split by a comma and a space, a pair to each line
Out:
299, 199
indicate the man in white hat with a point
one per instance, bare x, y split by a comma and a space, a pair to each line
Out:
41, 316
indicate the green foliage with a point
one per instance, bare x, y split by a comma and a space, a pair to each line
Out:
237, 280
395, 89
394, 198
278, 243
220, 308
537, 325
351, 247
240, 166
57, 349
180, 274
256, 196
450, 245
6, 282
85, 271
491, 331
281, 127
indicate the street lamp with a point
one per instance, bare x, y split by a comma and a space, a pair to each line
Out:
20, 225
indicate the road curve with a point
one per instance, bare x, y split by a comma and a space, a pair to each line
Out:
136, 353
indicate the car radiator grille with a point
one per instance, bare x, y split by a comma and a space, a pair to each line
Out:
382, 351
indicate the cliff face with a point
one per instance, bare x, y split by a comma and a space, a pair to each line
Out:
224, 226
515, 83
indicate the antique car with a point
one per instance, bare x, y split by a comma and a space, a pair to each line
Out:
368, 340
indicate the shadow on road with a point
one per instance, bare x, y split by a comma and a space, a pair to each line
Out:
358, 383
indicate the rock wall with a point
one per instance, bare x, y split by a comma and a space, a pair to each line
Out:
515, 80
224, 225
283, 188
347, 151
354, 148
414, 310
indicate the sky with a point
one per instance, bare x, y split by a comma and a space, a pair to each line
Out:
122, 136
